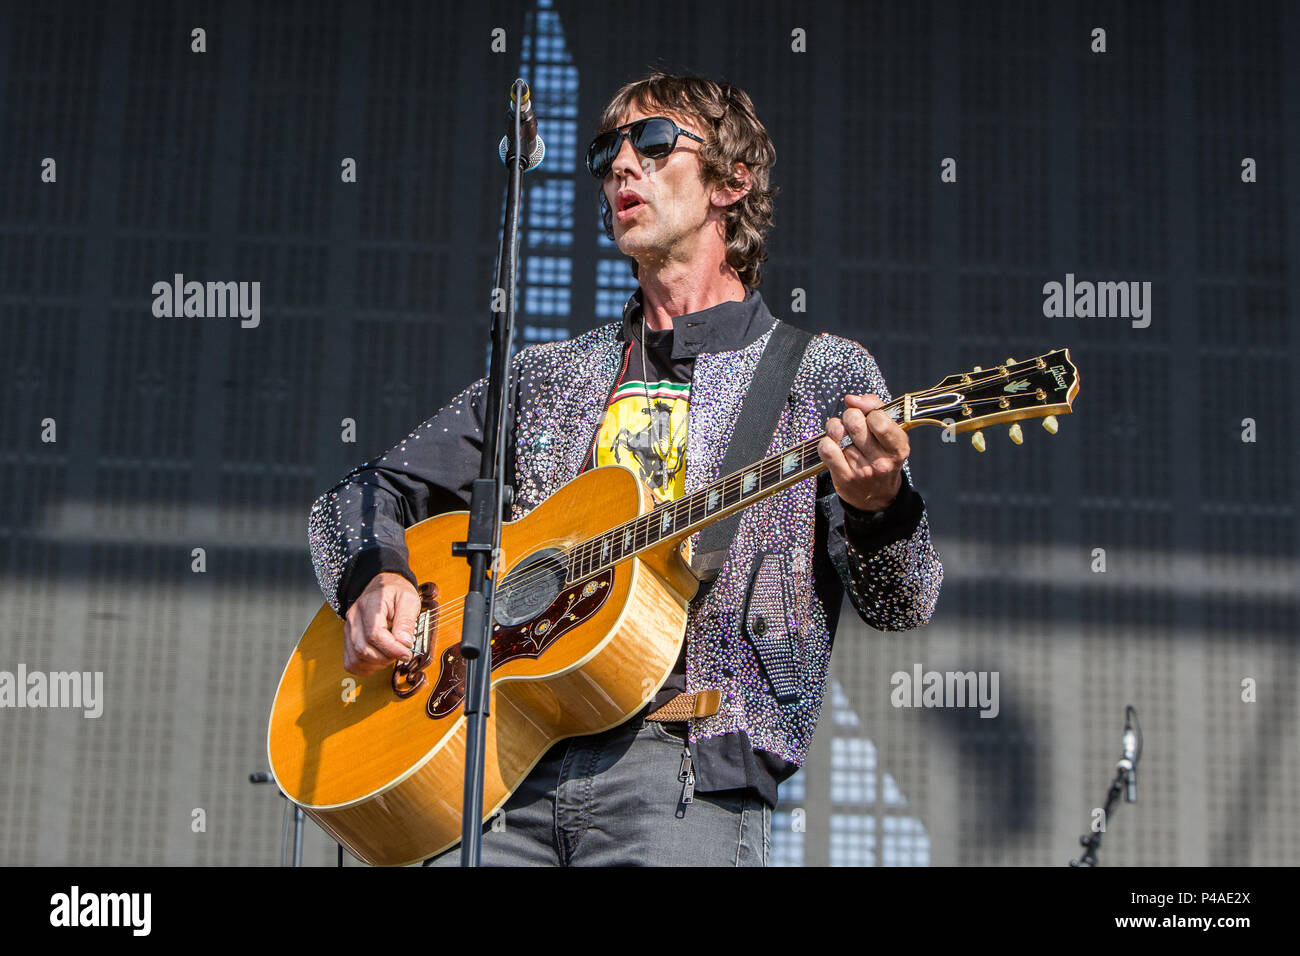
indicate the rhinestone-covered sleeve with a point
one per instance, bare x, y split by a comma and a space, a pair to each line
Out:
357, 528
887, 563
891, 575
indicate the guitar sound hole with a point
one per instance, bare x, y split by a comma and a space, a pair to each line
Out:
530, 587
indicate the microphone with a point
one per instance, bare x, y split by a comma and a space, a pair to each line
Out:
532, 146
1132, 751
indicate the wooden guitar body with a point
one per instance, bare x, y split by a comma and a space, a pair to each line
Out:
383, 773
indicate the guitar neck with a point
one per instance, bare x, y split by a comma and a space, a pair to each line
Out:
676, 520
1041, 387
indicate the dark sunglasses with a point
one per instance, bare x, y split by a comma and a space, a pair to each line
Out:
653, 137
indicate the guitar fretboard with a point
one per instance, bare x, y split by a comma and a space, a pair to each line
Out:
1041, 386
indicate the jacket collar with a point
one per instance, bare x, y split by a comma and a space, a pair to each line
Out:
725, 327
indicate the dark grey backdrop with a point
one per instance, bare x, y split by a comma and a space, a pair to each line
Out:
181, 433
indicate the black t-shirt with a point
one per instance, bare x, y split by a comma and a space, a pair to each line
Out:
645, 429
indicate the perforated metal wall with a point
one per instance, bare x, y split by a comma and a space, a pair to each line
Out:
177, 433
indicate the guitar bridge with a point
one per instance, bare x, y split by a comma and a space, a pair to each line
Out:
408, 675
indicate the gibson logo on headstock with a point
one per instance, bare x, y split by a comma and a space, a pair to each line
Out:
1058, 373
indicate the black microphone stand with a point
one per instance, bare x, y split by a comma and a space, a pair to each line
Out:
487, 501
1125, 782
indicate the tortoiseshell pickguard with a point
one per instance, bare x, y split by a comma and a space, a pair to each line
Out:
576, 604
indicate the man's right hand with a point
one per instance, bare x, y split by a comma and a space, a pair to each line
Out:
380, 624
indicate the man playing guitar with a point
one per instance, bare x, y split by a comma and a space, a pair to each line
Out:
684, 166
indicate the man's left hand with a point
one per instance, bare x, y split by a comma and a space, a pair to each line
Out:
868, 473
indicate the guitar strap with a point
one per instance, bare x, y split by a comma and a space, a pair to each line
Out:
756, 425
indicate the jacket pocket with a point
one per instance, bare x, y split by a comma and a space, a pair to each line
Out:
770, 626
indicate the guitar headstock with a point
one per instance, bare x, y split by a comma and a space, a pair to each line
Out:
1040, 387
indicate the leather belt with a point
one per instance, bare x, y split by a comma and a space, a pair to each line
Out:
700, 703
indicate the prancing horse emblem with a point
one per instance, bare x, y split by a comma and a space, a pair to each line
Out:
657, 462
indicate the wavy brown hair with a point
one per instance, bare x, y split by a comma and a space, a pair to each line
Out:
725, 117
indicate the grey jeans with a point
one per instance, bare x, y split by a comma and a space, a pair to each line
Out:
615, 799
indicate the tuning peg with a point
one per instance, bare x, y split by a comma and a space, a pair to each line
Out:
1010, 360
977, 440
977, 369
1049, 423
1016, 435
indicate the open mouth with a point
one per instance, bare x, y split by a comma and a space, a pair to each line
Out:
628, 200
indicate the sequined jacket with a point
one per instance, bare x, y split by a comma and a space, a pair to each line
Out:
763, 632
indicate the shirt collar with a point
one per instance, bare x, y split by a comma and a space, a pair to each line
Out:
725, 327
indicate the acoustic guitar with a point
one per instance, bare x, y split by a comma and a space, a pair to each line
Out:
590, 615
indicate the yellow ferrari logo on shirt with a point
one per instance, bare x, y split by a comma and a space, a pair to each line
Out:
649, 440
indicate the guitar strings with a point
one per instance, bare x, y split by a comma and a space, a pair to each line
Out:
587, 548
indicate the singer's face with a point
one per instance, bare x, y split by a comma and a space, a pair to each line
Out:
674, 213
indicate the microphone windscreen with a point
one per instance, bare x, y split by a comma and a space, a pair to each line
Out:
533, 161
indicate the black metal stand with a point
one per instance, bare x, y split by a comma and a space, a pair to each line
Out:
1125, 782
299, 818
488, 499
1092, 841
